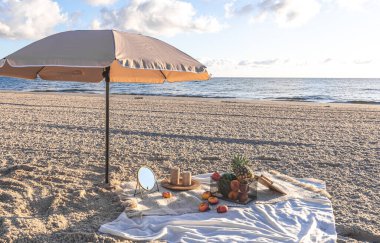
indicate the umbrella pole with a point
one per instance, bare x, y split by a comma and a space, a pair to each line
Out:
107, 155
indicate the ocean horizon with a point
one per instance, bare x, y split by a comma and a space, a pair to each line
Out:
321, 90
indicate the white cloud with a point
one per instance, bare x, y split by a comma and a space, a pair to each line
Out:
157, 17
258, 63
362, 61
219, 65
29, 19
293, 12
95, 24
74, 20
214, 62
355, 5
285, 67
351, 5
101, 2
230, 10
286, 13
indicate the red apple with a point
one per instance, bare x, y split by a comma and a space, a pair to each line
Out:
203, 207
213, 200
215, 176
167, 195
222, 209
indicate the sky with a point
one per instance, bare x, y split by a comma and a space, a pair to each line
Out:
233, 38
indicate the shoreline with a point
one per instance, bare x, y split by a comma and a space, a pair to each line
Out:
221, 99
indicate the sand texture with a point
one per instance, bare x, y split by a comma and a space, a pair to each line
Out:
52, 155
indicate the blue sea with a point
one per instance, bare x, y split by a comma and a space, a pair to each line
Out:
324, 90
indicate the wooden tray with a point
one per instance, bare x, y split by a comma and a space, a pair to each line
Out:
194, 184
250, 199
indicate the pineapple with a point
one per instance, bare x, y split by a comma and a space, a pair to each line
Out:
241, 168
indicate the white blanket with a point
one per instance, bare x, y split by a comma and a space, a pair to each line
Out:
294, 220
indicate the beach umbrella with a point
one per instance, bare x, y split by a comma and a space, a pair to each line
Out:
94, 55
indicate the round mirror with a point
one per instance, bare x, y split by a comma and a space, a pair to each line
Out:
146, 178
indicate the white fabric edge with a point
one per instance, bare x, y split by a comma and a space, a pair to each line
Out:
3, 61
155, 69
23, 66
106, 230
170, 70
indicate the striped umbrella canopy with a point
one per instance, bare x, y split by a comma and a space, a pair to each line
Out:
96, 55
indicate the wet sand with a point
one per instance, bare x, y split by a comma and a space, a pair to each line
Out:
52, 155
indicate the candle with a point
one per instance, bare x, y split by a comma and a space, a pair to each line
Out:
186, 178
174, 176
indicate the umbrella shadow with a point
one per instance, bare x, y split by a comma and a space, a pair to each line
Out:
210, 139
52, 106
219, 115
179, 136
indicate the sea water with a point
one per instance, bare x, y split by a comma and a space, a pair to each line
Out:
293, 89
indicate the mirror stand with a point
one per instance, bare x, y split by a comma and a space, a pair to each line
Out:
139, 190
146, 182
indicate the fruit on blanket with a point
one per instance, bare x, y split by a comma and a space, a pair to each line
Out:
213, 200
233, 195
203, 207
235, 184
224, 183
215, 176
222, 209
241, 168
206, 195
167, 195
243, 197
244, 187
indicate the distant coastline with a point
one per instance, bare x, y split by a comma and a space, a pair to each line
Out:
332, 90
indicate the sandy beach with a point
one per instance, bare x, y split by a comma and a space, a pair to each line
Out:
52, 155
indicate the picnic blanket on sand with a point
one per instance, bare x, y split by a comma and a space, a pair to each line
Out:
273, 218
